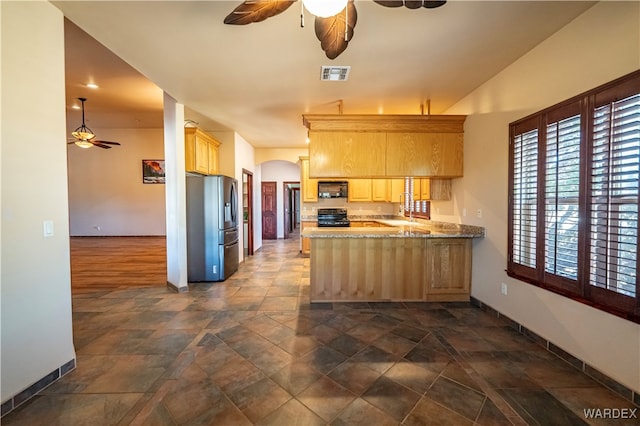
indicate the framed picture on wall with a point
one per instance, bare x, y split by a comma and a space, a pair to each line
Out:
152, 171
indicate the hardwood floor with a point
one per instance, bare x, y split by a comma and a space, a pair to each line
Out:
117, 262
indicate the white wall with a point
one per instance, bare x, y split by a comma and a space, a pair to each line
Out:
237, 154
257, 208
291, 155
106, 189
175, 194
598, 46
35, 273
245, 159
280, 171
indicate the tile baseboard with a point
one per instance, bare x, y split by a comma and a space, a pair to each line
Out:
613, 385
22, 397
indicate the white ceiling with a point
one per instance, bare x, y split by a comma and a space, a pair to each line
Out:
260, 78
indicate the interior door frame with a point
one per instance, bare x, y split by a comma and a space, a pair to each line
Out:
286, 217
288, 211
249, 208
296, 206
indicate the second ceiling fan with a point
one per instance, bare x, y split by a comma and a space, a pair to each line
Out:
84, 136
334, 31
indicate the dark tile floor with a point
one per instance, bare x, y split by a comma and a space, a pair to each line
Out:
252, 350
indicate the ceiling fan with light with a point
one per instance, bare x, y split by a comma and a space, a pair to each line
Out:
84, 136
335, 19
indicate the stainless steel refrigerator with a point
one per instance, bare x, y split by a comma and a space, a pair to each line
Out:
212, 227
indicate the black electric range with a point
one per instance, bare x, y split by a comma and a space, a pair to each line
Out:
333, 217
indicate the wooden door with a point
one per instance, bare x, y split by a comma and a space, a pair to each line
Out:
269, 209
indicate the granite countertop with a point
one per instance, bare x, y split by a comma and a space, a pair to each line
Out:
396, 228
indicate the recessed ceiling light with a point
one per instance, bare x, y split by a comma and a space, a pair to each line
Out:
92, 85
329, 73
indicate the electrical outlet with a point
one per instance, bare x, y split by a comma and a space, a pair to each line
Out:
479, 213
215, 269
503, 288
464, 211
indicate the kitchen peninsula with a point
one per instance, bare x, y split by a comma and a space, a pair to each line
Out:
396, 261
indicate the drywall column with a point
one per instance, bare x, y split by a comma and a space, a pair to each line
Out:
36, 323
175, 194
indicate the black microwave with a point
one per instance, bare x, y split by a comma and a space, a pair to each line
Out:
332, 189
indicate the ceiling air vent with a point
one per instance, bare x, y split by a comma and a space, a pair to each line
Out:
334, 73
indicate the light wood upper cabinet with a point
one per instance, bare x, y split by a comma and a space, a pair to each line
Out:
201, 152
380, 190
424, 154
396, 188
347, 154
377, 146
309, 186
359, 190
214, 157
435, 189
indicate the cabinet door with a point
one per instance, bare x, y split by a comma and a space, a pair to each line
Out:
396, 188
196, 151
425, 188
440, 189
359, 190
214, 162
347, 154
424, 154
380, 190
449, 268
201, 164
309, 186
305, 243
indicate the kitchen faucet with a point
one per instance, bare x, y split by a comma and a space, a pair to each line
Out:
404, 194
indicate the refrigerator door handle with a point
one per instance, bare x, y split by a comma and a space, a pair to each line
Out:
234, 207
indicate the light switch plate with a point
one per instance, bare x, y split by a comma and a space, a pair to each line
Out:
47, 228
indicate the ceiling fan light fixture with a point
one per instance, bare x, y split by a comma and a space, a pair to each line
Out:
83, 143
325, 8
83, 135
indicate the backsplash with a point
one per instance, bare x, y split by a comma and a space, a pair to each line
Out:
353, 209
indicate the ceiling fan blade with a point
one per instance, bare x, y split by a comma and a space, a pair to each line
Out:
107, 142
331, 31
256, 11
97, 143
392, 3
433, 4
411, 4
